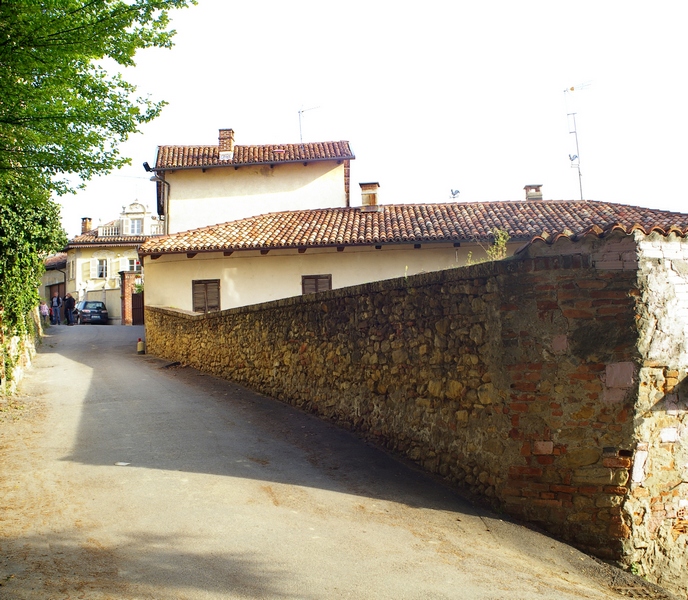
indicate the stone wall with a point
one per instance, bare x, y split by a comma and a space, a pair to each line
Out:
17, 352
519, 381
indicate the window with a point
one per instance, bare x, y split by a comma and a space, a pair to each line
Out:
136, 226
206, 295
134, 265
71, 270
310, 284
102, 268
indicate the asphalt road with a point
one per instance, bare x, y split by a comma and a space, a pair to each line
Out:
123, 477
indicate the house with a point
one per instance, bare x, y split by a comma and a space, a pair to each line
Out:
100, 258
204, 185
54, 277
283, 254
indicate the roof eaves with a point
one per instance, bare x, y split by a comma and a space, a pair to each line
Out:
237, 165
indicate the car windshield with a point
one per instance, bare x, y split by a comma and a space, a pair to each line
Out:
94, 306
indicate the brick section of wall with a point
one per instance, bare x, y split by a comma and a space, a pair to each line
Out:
128, 286
517, 380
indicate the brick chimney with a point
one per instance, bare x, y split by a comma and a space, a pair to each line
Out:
86, 225
533, 191
226, 144
370, 197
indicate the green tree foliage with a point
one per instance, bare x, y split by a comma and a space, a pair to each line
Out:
29, 229
63, 113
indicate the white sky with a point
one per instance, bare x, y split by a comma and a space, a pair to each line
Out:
432, 96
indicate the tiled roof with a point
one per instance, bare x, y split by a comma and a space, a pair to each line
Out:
92, 239
56, 261
417, 223
189, 157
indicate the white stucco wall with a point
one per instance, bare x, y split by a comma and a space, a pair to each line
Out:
197, 199
250, 278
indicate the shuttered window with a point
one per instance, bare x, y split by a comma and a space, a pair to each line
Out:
310, 284
206, 295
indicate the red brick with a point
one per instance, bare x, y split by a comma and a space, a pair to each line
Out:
516, 434
588, 489
509, 307
572, 313
613, 489
583, 376
545, 459
558, 413
525, 449
543, 502
608, 294
524, 387
591, 284
567, 489
547, 305
518, 407
530, 471
547, 496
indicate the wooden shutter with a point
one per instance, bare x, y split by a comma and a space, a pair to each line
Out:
310, 284
94, 268
206, 295
213, 295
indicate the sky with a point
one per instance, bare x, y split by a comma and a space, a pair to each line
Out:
432, 96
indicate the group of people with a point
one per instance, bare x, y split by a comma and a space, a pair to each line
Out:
56, 307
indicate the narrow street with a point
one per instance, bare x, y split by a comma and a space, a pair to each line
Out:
124, 477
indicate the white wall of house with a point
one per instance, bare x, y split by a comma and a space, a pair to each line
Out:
86, 277
50, 277
250, 278
218, 195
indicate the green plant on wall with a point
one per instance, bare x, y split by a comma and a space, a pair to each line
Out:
497, 250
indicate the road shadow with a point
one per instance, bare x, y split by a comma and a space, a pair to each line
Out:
60, 565
143, 411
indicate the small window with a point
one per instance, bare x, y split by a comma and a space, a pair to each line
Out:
134, 265
102, 268
310, 284
206, 295
136, 226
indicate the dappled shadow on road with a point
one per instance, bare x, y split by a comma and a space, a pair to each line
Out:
60, 565
139, 410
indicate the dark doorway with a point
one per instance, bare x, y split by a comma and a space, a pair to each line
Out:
137, 309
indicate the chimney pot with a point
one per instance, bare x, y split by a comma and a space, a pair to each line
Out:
369, 196
533, 191
226, 146
86, 225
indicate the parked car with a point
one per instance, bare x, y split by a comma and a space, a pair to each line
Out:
91, 311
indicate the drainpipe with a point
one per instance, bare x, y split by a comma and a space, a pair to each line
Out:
165, 201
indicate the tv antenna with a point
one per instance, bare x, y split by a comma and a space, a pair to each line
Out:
571, 116
301, 111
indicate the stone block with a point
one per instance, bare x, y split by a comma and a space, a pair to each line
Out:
581, 458
619, 375
543, 447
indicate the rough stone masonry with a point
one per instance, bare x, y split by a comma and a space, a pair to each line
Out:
552, 384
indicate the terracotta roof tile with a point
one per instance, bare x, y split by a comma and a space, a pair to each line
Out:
92, 239
56, 261
416, 223
190, 157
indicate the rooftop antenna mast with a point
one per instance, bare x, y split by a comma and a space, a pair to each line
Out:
575, 158
301, 111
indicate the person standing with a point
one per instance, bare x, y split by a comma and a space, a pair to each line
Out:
69, 304
55, 306
45, 312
